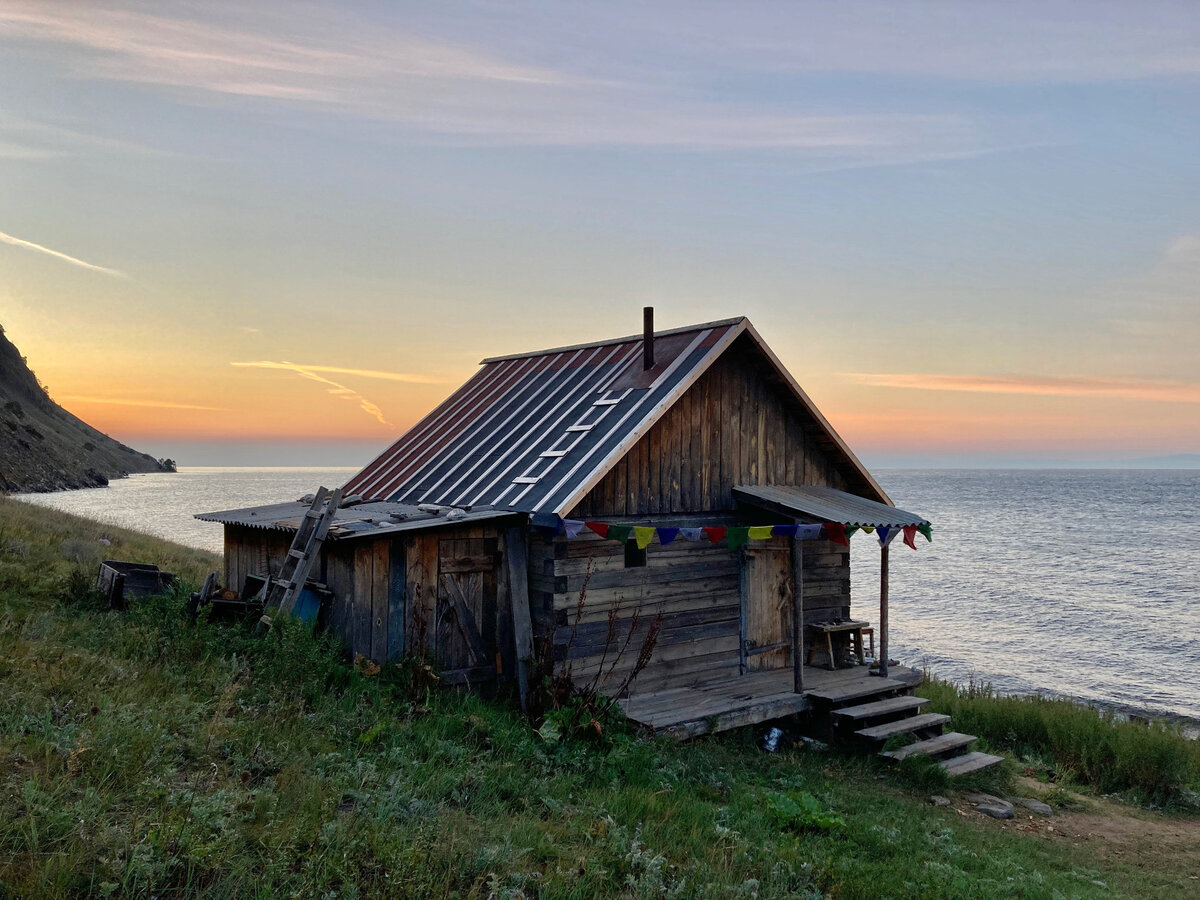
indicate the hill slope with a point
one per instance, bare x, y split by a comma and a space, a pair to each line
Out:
45, 448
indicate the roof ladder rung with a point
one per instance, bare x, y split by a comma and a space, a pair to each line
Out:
579, 428
552, 454
526, 479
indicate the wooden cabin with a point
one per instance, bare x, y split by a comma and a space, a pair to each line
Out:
464, 537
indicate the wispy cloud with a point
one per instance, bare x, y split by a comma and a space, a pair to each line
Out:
153, 404
29, 245
461, 94
333, 387
338, 370
1158, 391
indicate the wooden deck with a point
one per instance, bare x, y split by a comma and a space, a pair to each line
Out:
755, 697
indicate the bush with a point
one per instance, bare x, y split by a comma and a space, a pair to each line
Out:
1154, 763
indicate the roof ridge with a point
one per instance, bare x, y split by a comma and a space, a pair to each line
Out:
619, 340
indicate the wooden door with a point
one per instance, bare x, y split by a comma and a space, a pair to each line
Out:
466, 607
766, 607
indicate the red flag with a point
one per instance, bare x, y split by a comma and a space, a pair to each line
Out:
601, 528
910, 535
716, 534
836, 532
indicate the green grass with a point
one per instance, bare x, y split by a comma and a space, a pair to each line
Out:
145, 756
1152, 764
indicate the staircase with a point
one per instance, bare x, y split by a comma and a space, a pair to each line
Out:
865, 714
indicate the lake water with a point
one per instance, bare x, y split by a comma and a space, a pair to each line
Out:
1084, 583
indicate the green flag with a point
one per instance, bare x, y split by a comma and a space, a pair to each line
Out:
926, 530
737, 536
619, 533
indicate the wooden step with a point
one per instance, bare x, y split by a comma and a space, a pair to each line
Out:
943, 743
868, 686
970, 762
880, 708
903, 726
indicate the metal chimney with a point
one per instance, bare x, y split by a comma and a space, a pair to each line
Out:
648, 337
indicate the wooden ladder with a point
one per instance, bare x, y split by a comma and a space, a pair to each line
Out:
306, 548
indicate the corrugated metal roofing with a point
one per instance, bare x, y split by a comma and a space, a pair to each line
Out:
362, 520
826, 504
534, 432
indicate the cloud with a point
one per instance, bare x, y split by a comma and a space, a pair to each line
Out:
1158, 391
338, 370
337, 390
29, 245
155, 404
459, 94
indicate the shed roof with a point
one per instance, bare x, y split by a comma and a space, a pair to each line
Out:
535, 432
826, 504
362, 520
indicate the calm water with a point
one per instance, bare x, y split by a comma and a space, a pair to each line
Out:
1077, 582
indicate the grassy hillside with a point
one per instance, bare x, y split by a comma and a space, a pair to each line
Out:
146, 756
45, 448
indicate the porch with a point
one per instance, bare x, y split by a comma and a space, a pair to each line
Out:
760, 696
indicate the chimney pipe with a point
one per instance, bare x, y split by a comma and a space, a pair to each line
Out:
648, 337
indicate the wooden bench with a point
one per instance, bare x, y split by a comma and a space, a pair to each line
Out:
851, 628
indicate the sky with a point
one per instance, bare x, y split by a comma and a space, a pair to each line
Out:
280, 233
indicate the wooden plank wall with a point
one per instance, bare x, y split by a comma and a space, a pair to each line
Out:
734, 426
826, 581
253, 551
695, 586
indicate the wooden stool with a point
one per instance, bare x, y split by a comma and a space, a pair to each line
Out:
870, 633
853, 631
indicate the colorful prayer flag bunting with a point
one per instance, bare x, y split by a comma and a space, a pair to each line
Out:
572, 527
784, 530
850, 529
601, 528
716, 533
808, 532
910, 535
926, 530
761, 532
692, 534
882, 533
643, 535
666, 535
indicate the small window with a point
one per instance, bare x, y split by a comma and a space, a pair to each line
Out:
634, 555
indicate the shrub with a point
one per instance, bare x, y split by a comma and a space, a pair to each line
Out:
1154, 763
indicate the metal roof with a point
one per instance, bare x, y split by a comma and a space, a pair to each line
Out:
535, 432
826, 504
361, 520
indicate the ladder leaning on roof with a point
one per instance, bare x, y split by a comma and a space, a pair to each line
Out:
306, 548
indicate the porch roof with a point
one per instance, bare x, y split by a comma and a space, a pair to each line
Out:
825, 504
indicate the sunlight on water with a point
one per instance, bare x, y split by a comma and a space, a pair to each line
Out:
163, 505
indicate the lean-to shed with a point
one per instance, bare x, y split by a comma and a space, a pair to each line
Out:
466, 536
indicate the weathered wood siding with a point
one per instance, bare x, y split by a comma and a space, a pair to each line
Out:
253, 551
694, 586
735, 425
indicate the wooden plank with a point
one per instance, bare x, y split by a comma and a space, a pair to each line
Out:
971, 762
903, 726
360, 623
943, 743
517, 563
862, 686
381, 577
880, 708
789, 704
397, 602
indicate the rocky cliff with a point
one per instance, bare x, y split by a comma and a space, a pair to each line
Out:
45, 448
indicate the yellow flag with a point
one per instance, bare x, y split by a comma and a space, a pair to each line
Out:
760, 532
868, 528
643, 534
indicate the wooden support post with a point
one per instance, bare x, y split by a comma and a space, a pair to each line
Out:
516, 555
883, 612
797, 615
